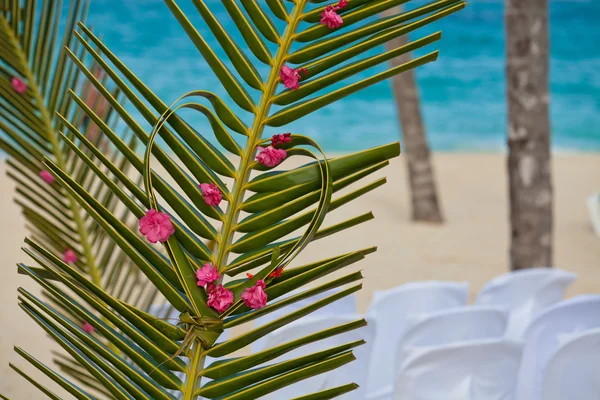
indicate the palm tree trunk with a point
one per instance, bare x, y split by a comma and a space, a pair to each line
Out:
424, 199
529, 170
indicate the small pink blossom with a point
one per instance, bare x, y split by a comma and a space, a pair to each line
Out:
87, 327
47, 177
156, 226
270, 156
219, 298
70, 257
212, 194
330, 17
342, 3
207, 274
18, 85
281, 139
291, 77
255, 297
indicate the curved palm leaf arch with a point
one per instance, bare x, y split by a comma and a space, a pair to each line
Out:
134, 355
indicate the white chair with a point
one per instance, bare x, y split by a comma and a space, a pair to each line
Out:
572, 373
390, 310
463, 324
525, 293
593, 203
547, 332
355, 371
343, 306
482, 370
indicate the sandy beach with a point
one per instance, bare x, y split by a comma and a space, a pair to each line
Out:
471, 246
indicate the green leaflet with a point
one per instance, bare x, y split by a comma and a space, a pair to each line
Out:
245, 339
249, 316
64, 383
309, 173
283, 369
229, 367
242, 63
230, 83
259, 257
272, 385
329, 393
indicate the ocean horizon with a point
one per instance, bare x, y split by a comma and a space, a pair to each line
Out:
462, 93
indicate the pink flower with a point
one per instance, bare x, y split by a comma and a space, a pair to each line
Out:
219, 298
291, 77
331, 18
255, 297
207, 274
212, 194
47, 177
70, 257
18, 85
87, 327
342, 3
281, 139
156, 226
270, 156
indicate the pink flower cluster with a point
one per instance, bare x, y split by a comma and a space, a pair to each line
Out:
255, 296
330, 17
47, 177
212, 194
18, 85
70, 257
291, 77
156, 226
281, 139
221, 298
207, 274
270, 156
87, 327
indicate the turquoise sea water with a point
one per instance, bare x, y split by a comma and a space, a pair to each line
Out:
463, 92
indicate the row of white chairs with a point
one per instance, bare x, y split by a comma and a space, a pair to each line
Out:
424, 342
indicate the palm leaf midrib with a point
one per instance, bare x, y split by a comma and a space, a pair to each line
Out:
255, 135
56, 150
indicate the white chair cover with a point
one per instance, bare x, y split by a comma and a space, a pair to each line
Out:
463, 324
594, 206
484, 370
355, 371
390, 310
343, 306
572, 373
525, 293
547, 332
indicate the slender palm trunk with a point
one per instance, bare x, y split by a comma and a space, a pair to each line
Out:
529, 169
424, 199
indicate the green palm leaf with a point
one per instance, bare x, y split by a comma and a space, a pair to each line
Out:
270, 214
32, 39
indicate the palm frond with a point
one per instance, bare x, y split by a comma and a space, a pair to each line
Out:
271, 214
33, 36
